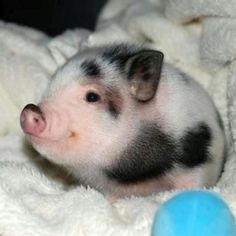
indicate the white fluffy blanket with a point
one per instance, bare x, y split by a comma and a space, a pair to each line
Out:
194, 35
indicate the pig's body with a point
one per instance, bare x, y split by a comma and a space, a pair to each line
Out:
118, 126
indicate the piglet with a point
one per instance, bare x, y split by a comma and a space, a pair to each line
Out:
125, 123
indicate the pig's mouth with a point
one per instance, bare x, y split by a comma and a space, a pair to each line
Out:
41, 139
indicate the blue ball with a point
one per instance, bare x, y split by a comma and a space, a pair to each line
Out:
194, 213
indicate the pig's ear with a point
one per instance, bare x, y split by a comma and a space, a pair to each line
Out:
144, 70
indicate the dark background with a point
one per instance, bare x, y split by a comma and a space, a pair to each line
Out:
52, 16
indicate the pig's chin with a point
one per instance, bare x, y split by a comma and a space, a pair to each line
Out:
50, 150
56, 150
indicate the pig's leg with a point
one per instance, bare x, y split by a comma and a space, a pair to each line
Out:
177, 179
144, 188
191, 178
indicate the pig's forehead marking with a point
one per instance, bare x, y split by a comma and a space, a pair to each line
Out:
73, 72
99, 70
91, 68
105, 63
119, 54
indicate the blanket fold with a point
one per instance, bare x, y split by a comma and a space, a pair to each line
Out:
33, 199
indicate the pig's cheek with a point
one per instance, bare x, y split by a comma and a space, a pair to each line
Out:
65, 151
76, 144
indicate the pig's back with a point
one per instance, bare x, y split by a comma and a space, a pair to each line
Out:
189, 116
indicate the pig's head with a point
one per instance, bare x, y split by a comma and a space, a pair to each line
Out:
92, 108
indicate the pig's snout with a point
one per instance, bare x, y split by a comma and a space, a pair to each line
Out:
32, 120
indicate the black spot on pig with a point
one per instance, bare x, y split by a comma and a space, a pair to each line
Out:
196, 142
154, 153
150, 155
91, 68
114, 102
119, 54
113, 109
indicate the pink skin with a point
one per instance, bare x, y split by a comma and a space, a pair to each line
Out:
71, 130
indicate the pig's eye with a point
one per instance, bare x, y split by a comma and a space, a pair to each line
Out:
92, 97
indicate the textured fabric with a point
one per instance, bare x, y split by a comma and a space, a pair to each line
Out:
232, 102
33, 199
